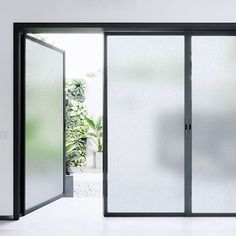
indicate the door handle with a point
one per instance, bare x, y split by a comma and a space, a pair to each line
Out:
188, 126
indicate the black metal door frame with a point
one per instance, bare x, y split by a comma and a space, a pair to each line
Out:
186, 29
19, 109
187, 126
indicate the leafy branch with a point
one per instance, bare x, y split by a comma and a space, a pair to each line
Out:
95, 132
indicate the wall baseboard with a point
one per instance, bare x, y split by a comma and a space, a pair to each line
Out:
6, 218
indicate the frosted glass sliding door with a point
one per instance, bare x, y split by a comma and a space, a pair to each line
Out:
145, 123
44, 72
214, 126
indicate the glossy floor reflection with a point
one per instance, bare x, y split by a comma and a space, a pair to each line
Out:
73, 216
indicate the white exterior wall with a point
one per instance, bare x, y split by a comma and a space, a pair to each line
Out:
81, 11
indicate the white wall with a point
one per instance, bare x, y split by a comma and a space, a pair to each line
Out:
76, 11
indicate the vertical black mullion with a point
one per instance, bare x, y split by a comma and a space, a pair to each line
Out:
23, 117
17, 122
188, 128
190, 120
105, 147
64, 122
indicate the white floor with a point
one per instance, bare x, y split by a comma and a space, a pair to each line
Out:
87, 182
83, 216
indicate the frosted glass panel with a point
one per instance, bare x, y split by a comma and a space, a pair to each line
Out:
214, 126
145, 123
44, 123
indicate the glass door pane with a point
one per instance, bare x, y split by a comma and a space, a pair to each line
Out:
214, 126
145, 93
44, 71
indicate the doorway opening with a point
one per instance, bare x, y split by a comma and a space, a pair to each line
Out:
78, 58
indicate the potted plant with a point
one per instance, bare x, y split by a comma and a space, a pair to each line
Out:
95, 134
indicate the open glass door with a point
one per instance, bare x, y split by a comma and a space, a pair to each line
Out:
44, 124
144, 124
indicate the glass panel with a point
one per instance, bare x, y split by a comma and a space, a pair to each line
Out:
214, 126
145, 123
44, 123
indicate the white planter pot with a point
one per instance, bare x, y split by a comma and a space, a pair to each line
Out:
97, 160
89, 158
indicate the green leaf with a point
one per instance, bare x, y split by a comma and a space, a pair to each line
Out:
99, 123
92, 134
90, 122
69, 143
73, 113
70, 148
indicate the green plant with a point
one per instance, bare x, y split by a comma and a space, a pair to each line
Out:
76, 125
96, 132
